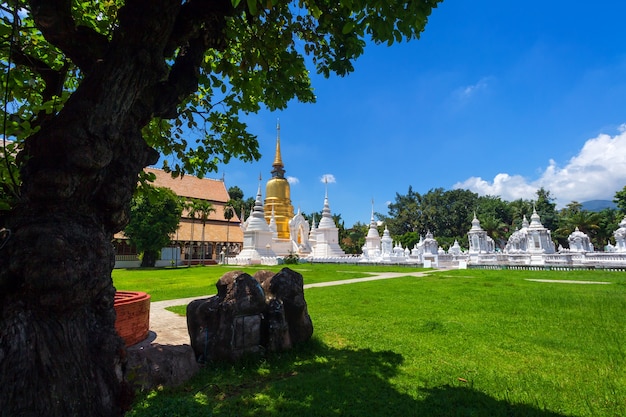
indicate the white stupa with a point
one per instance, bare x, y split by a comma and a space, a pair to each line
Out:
257, 236
326, 235
539, 238
620, 236
372, 247
579, 242
479, 240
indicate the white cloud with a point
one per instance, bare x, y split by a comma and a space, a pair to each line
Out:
597, 172
471, 90
328, 178
293, 180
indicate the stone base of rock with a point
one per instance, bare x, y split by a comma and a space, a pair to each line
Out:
150, 366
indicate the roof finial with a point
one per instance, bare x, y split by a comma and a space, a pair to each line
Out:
278, 160
279, 167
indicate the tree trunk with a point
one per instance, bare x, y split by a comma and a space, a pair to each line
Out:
59, 352
149, 259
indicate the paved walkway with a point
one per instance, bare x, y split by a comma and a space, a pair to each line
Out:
167, 328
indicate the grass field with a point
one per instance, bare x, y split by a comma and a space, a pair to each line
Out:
172, 283
454, 343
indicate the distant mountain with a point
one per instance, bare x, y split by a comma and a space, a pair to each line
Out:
598, 205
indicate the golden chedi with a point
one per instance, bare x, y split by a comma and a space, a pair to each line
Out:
278, 195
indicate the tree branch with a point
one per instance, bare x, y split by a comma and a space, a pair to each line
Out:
198, 15
53, 79
182, 80
81, 44
200, 26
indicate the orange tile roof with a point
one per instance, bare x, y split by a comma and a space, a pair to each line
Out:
211, 190
192, 187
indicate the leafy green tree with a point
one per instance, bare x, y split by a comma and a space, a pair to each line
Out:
546, 208
235, 193
405, 214
354, 238
608, 224
96, 90
496, 228
153, 218
518, 209
240, 205
620, 200
586, 221
446, 214
9, 179
409, 239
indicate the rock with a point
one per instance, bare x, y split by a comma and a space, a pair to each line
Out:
160, 365
249, 315
288, 287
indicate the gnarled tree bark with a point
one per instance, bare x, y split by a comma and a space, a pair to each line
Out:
59, 352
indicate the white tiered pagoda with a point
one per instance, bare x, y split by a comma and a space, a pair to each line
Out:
479, 241
257, 236
372, 247
326, 235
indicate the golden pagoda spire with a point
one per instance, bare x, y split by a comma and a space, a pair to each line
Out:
278, 160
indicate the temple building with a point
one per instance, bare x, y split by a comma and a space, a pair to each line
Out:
187, 246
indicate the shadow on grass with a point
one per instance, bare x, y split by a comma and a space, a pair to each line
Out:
317, 380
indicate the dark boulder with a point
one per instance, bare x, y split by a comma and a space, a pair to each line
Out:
249, 315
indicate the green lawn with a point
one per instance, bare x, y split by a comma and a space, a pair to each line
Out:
183, 282
455, 343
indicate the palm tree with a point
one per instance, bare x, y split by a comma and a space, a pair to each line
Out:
495, 228
191, 212
202, 209
586, 221
229, 213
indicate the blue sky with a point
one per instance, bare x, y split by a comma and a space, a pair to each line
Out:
498, 97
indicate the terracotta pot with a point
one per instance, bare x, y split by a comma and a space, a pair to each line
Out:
133, 316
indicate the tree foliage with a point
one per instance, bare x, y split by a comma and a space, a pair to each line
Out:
241, 206
446, 214
153, 218
546, 208
620, 200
